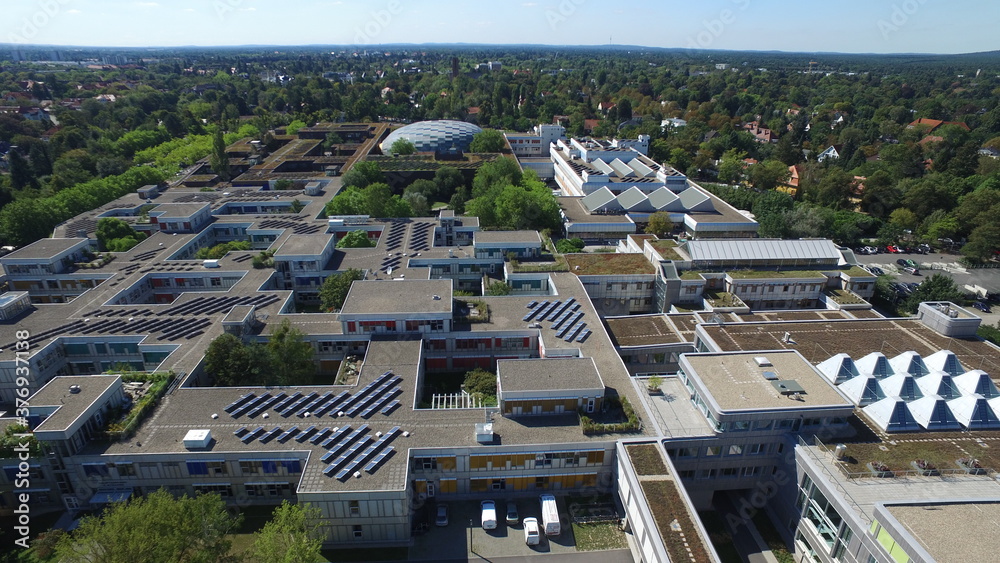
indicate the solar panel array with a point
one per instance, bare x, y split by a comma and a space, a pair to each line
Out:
351, 459
394, 238
535, 310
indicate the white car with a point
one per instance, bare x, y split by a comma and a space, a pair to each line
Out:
489, 515
532, 535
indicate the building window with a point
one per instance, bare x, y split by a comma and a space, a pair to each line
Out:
712, 451
735, 449
358, 534
355, 507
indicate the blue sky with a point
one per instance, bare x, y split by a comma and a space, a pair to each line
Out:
849, 26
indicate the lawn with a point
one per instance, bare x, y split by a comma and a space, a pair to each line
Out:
666, 248
647, 459
599, 536
609, 264
667, 505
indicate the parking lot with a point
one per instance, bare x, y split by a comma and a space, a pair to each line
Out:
455, 541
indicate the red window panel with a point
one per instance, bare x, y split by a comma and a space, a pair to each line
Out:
497, 342
437, 363
527, 342
352, 326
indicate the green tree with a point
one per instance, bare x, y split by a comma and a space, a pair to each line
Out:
488, 140
218, 159
418, 203
156, 528
938, 287
731, 166
904, 219
355, 239
232, 362
498, 288
41, 162
768, 174
481, 381
834, 190
402, 147
293, 127
448, 180
983, 242
218, 251
363, 174
660, 224
624, 108
292, 535
112, 228
335, 287
21, 175
376, 200
427, 188
569, 245
292, 355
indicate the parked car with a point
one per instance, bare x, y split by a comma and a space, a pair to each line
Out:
489, 515
912, 264
442, 515
532, 536
902, 263
876, 271
891, 249
912, 271
512, 518
924, 249
982, 306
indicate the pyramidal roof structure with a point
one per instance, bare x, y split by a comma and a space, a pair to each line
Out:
940, 384
875, 364
932, 413
901, 385
862, 390
946, 361
974, 412
839, 369
892, 415
977, 381
909, 362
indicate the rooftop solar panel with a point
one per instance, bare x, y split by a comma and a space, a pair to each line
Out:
288, 400
382, 400
336, 436
266, 405
250, 405
268, 436
389, 408
288, 434
373, 464
320, 435
305, 434
583, 335
531, 304
573, 331
232, 406
298, 404
329, 404
249, 436
240, 431
311, 405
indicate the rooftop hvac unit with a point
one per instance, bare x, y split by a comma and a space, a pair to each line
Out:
197, 439
484, 432
762, 361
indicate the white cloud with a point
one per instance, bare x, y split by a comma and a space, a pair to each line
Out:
189, 10
529, 4
146, 4
74, 11
250, 9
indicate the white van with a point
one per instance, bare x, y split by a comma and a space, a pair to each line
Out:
550, 516
489, 515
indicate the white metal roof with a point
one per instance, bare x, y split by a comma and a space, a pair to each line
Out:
761, 249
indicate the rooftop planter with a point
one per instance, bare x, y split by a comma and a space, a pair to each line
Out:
879, 469
924, 467
971, 466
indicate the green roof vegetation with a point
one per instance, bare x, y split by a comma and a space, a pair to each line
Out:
666, 248
609, 264
844, 297
857, 271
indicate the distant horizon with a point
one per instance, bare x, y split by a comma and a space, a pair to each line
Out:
441, 45
900, 28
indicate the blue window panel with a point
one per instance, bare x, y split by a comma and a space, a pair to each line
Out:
11, 472
197, 468
292, 465
269, 466
100, 469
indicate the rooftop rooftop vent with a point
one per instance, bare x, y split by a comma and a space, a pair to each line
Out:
762, 361
74, 389
484, 432
437, 297
770, 375
788, 387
